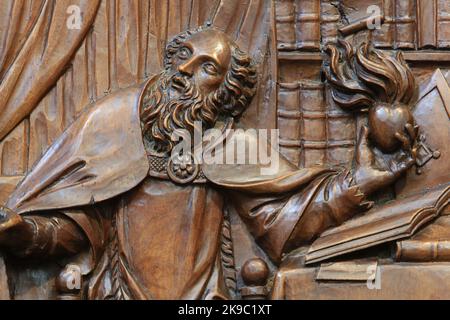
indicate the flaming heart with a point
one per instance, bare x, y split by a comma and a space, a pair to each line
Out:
384, 121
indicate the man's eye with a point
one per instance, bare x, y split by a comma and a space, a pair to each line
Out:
184, 53
210, 68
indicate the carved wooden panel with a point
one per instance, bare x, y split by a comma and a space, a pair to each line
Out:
127, 215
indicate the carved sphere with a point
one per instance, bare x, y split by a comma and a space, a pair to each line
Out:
69, 280
255, 272
384, 121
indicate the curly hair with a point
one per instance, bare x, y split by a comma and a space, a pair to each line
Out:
369, 76
236, 92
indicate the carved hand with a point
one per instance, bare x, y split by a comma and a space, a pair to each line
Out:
374, 169
15, 231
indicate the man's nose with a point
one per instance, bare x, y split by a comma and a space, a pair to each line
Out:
187, 68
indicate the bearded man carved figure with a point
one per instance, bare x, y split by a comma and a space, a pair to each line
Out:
108, 196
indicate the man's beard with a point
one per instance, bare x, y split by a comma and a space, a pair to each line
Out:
161, 114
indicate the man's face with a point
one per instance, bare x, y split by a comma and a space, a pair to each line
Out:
204, 58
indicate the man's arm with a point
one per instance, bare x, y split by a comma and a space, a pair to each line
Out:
52, 235
283, 222
337, 200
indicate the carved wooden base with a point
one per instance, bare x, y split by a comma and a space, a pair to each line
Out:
396, 281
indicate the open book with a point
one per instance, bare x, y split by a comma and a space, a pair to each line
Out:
420, 197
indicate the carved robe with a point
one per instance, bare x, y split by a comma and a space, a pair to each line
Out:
137, 236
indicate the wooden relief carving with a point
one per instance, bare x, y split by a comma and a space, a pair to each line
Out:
214, 149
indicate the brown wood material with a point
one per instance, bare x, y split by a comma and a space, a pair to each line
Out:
418, 282
98, 202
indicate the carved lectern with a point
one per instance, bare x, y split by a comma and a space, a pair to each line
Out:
135, 160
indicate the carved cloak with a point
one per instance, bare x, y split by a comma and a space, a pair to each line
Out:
102, 155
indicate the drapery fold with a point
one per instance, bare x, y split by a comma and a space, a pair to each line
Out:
36, 48
21, 16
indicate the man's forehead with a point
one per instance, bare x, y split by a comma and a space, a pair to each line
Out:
211, 42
